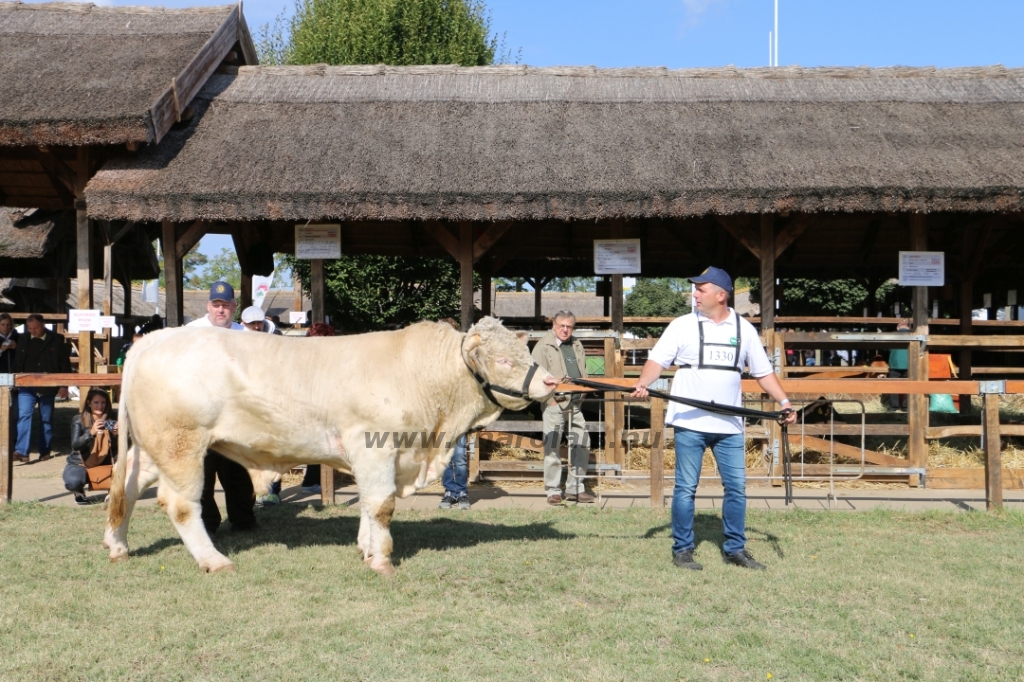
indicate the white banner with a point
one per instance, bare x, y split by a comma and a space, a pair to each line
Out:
260, 287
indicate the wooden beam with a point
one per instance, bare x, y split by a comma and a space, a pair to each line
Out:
445, 238
465, 259
993, 454
966, 329
489, 238
174, 306
125, 230
743, 235
190, 237
245, 43
179, 93
485, 292
767, 273
789, 234
57, 169
846, 451
84, 258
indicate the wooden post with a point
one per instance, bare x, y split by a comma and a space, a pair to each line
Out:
657, 453
126, 286
538, 292
316, 289
993, 454
318, 297
615, 413
767, 273
84, 234
297, 289
917, 359
246, 293
967, 329
108, 293
466, 273
174, 307
8, 430
616, 306
485, 292
607, 294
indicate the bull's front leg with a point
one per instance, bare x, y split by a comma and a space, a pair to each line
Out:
376, 481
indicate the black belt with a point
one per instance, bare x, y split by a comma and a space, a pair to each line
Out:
728, 411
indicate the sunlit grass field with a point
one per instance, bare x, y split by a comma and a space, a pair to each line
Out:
566, 594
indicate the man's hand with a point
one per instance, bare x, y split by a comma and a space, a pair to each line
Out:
62, 392
639, 391
789, 415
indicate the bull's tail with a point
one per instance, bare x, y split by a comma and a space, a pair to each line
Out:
116, 504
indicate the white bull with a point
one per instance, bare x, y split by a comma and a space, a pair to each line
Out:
269, 402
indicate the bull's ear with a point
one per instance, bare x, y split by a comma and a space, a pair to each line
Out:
522, 336
471, 347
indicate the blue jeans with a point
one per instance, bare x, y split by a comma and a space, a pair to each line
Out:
456, 474
731, 458
27, 399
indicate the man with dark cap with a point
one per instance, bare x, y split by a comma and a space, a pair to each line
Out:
711, 346
234, 479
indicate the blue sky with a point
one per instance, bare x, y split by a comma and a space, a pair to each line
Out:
694, 33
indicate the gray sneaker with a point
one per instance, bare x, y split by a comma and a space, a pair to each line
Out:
447, 501
463, 501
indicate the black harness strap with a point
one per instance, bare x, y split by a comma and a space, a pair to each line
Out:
490, 389
728, 411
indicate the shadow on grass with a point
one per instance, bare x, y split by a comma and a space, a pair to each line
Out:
284, 525
708, 528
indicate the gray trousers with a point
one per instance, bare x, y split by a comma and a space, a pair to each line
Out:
555, 423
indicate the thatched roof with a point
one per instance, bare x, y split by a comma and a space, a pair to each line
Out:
29, 233
75, 74
512, 142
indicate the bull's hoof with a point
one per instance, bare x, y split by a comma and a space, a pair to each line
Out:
118, 554
218, 567
385, 569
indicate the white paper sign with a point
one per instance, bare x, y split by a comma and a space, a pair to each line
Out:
260, 287
617, 256
83, 321
297, 317
922, 268
107, 322
318, 241
151, 291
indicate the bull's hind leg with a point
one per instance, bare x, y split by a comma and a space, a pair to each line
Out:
140, 473
376, 481
186, 514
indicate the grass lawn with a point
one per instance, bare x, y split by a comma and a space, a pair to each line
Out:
566, 594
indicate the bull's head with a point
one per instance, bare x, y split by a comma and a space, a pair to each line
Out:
501, 362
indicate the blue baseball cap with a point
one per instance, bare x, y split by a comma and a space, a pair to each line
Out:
222, 291
715, 276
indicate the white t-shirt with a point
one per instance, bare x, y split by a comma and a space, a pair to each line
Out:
204, 321
680, 345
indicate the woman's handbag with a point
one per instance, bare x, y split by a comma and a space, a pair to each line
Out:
99, 476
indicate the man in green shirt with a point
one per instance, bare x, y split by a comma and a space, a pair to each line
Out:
562, 355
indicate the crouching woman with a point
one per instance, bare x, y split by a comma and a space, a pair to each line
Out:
93, 442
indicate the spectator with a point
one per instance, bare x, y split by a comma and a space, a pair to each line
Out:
562, 355
43, 352
92, 442
898, 365
456, 478
256, 321
234, 479
311, 480
8, 343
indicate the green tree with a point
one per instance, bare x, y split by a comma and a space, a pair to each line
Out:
836, 297
571, 284
395, 32
371, 292
655, 298
365, 293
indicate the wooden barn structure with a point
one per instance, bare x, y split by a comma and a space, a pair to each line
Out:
83, 85
514, 171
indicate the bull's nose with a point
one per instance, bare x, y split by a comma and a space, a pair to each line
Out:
550, 380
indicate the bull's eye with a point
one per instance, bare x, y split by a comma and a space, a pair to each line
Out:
505, 361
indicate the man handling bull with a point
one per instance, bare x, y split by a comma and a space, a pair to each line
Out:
562, 354
234, 479
711, 346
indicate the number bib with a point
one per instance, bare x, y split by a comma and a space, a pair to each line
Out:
723, 356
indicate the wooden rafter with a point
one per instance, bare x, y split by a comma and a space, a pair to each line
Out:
790, 233
190, 238
743, 235
444, 236
489, 238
